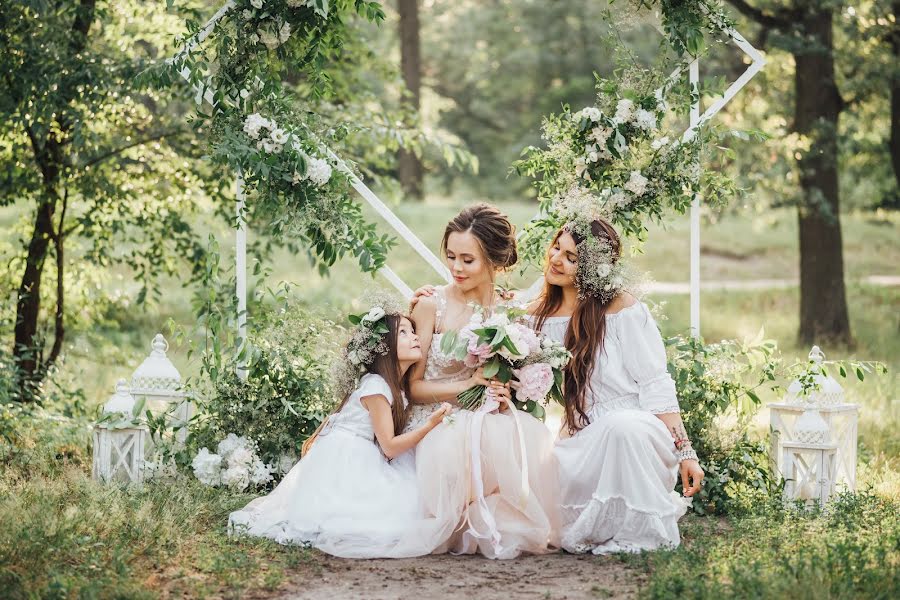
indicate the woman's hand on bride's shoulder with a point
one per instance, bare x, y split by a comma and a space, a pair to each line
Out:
435, 418
426, 291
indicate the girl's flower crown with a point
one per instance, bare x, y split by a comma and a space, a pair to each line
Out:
367, 342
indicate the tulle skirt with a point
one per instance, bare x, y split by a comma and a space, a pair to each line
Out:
345, 498
617, 477
506, 515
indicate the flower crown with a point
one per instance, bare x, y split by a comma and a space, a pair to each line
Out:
601, 272
367, 341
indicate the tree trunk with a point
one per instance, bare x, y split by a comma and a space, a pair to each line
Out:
895, 97
59, 333
49, 154
26, 351
409, 166
823, 300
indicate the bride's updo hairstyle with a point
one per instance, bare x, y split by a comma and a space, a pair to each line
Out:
495, 234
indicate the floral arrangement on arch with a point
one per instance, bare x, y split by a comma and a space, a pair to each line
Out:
619, 158
255, 128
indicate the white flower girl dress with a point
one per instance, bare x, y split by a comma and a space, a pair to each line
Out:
344, 497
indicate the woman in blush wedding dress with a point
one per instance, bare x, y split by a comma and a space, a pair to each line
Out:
490, 473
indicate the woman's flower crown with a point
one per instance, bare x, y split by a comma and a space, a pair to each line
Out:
601, 272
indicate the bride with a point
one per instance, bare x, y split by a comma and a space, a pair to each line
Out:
491, 474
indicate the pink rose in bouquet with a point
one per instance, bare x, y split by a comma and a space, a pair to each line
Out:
477, 353
535, 382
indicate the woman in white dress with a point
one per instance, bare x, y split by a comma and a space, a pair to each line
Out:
491, 475
622, 443
345, 496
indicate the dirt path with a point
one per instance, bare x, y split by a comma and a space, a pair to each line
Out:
554, 576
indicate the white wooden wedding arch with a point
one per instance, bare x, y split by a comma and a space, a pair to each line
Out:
756, 63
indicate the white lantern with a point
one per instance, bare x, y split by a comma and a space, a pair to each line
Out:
819, 418
158, 383
119, 447
808, 471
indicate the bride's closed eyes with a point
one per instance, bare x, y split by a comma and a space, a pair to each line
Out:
465, 258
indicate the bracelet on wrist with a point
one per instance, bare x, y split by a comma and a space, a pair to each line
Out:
686, 454
682, 443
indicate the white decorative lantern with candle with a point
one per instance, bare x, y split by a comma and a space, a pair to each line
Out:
158, 383
119, 440
811, 420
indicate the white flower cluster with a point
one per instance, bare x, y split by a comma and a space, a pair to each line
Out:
637, 184
318, 172
272, 140
271, 33
234, 465
579, 202
602, 129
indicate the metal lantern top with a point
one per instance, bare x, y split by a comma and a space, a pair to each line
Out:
827, 391
120, 402
157, 375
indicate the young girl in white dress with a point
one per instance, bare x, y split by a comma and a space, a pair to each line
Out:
345, 496
622, 443
490, 474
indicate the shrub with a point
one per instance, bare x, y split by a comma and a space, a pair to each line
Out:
713, 380
287, 392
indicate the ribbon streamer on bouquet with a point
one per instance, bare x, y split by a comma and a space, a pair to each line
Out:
475, 432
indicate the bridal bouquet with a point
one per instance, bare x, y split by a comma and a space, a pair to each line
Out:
507, 348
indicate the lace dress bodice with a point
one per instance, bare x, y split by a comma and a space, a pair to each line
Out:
438, 366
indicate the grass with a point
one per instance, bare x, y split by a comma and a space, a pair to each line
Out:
850, 550
63, 535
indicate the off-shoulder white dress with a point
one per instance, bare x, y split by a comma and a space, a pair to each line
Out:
617, 475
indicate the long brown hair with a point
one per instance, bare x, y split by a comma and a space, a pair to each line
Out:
386, 365
495, 233
585, 333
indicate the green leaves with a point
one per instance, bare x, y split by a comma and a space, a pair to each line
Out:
492, 367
